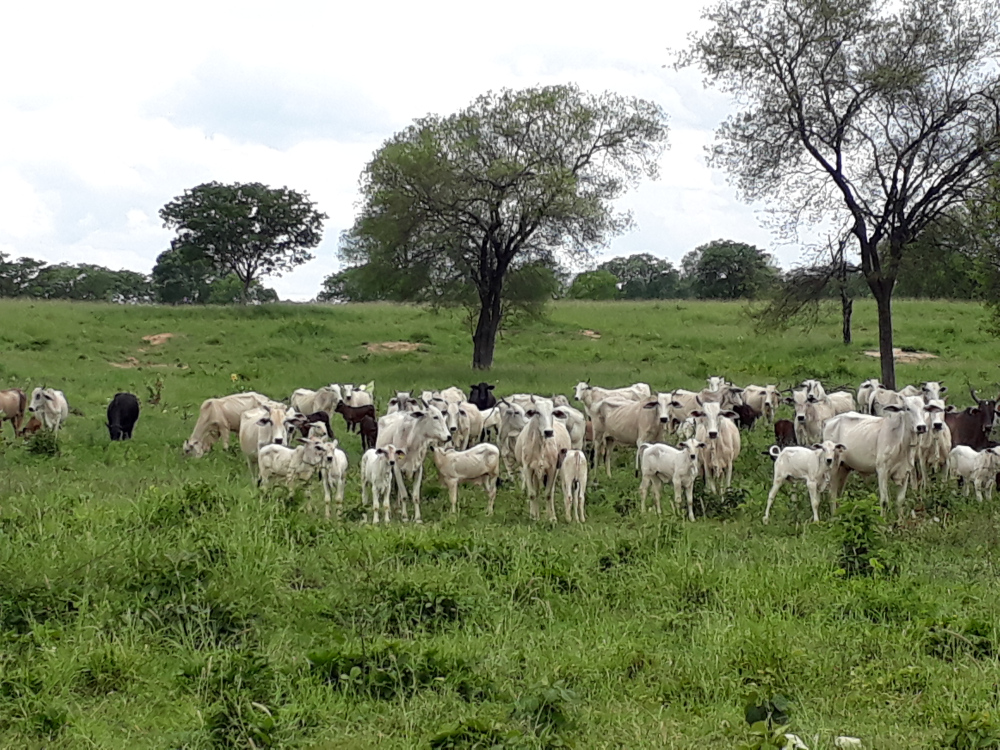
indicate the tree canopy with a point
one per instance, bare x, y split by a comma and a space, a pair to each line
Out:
594, 285
881, 115
452, 206
247, 229
723, 269
644, 276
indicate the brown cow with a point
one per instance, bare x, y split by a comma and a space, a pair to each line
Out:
12, 405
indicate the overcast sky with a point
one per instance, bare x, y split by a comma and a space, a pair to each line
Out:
110, 110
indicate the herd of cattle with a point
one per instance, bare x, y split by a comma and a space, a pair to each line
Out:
903, 437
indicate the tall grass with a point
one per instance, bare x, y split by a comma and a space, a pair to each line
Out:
151, 601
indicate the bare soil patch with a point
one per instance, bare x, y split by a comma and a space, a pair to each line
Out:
905, 357
590, 334
131, 362
390, 347
158, 338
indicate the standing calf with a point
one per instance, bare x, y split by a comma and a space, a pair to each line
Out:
976, 467
377, 467
659, 463
574, 484
479, 464
354, 414
333, 473
292, 464
811, 465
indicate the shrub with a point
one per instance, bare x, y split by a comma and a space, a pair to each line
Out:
859, 527
43, 443
973, 731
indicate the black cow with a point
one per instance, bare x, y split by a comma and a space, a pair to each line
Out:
123, 413
481, 396
784, 432
972, 426
747, 415
369, 432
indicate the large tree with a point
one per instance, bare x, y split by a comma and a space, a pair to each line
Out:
644, 276
723, 269
247, 229
884, 113
458, 203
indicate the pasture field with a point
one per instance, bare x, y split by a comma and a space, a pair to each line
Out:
148, 600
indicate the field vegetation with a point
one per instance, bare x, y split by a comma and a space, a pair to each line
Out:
148, 600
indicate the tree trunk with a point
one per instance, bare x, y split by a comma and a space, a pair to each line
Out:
485, 337
846, 311
883, 300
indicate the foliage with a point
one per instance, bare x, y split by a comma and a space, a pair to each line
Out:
27, 277
724, 269
452, 205
860, 528
594, 285
977, 730
879, 117
644, 276
247, 229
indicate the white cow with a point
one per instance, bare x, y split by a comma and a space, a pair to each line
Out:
358, 396
479, 464
537, 450
684, 403
877, 445
402, 401
978, 468
325, 399
451, 395
574, 484
292, 464
576, 425
659, 463
217, 417
50, 406
333, 473
882, 397
588, 394
933, 446
464, 420
765, 399
411, 432
717, 430
865, 391
811, 465
512, 421
628, 422
264, 425
811, 413
377, 467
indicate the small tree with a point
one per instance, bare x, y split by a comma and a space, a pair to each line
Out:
451, 206
247, 229
594, 285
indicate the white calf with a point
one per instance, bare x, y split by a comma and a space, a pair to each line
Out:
477, 465
979, 468
333, 472
292, 464
574, 483
377, 465
659, 463
811, 465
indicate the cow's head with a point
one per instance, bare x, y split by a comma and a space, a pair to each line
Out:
829, 452
581, 388
541, 412
710, 416
661, 402
194, 448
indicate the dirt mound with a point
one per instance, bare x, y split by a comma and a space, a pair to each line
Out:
392, 347
905, 357
158, 338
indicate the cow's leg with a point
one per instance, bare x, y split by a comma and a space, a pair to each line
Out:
386, 506
327, 498
778, 481
643, 491
813, 498
418, 477
341, 482
689, 491
491, 494
609, 449
453, 495
550, 490
568, 500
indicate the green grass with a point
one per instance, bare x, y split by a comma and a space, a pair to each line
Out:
147, 600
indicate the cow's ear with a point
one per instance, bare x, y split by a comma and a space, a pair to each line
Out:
944, 389
892, 407
840, 447
702, 445
490, 387
730, 413
418, 414
817, 446
650, 405
400, 453
950, 408
47, 397
974, 410
697, 413
675, 404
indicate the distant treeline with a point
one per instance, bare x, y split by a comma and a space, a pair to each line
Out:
173, 281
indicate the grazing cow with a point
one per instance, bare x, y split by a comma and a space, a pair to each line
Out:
588, 394
933, 446
293, 464
377, 467
865, 391
32, 426
402, 401
811, 413
268, 424
746, 416
412, 432
811, 465
877, 445
716, 429
537, 450
628, 422
784, 433
123, 413
354, 414
765, 399
482, 396
50, 406
972, 426
978, 468
217, 417
333, 474
659, 463
368, 428
325, 399
574, 483
480, 464
12, 405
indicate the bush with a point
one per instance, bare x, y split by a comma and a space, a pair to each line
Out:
43, 443
859, 526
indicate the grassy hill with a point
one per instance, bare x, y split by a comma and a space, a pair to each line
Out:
147, 600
